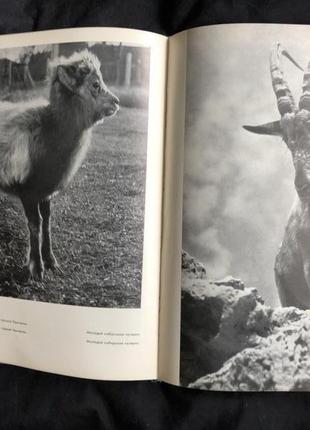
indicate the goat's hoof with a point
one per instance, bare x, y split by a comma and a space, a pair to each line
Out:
36, 271
57, 269
52, 264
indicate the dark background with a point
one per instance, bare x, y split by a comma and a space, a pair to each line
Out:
35, 400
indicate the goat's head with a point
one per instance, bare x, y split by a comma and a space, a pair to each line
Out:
79, 80
294, 125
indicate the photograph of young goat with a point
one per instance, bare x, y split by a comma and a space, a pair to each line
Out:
43, 143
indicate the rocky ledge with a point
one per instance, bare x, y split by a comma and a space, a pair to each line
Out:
232, 341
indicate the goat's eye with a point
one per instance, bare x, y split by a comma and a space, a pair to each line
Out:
96, 85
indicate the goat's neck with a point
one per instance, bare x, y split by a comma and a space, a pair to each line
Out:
304, 205
301, 209
70, 117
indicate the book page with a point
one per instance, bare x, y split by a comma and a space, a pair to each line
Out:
82, 115
245, 282
169, 332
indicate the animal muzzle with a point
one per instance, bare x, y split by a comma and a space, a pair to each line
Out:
110, 104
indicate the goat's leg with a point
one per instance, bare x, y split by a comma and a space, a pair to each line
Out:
48, 256
32, 212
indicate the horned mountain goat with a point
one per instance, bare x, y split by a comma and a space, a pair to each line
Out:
292, 265
43, 143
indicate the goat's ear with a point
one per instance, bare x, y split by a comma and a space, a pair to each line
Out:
270, 128
67, 76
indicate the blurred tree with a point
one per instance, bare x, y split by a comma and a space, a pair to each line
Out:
18, 63
119, 62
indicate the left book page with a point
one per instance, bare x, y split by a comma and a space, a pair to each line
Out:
81, 167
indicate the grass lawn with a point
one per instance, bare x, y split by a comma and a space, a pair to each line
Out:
97, 225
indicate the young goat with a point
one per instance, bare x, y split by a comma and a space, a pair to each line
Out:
42, 144
292, 265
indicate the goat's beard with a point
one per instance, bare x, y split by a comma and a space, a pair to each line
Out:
99, 121
98, 117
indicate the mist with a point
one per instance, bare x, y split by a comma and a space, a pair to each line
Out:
238, 187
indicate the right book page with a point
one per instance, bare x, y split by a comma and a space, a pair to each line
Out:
245, 261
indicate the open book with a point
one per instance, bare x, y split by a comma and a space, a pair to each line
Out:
140, 222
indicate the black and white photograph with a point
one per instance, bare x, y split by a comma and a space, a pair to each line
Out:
245, 261
73, 146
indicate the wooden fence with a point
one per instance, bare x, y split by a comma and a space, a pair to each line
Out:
121, 65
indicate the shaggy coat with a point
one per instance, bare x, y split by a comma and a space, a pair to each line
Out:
42, 145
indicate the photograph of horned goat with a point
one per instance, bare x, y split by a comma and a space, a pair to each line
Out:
43, 143
292, 264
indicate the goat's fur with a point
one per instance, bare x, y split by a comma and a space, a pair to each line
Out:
292, 265
42, 144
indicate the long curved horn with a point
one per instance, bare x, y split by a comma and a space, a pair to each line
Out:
283, 94
270, 128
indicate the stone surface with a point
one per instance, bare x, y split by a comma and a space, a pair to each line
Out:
232, 341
